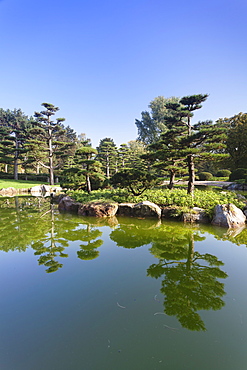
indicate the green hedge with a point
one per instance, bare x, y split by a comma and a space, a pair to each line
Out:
22, 176
239, 173
205, 176
223, 173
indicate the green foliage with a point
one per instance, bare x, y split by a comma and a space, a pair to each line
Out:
108, 156
72, 179
184, 145
205, 176
153, 123
14, 135
50, 143
238, 173
82, 169
134, 179
237, 140
223, 173
164, 197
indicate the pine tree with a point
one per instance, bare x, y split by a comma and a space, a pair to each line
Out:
48, 138
17, 125
183, 143
107, 155
124, 155
83, 168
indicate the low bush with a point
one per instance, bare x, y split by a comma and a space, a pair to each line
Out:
223, 173
28, 177
163, 197
239, 173
205, 176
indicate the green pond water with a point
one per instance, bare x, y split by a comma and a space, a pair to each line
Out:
92, 294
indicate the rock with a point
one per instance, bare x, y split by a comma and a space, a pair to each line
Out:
197, 215
232, 233
171, 213
125, 209
57, 198
228, 215
9, 192
68, 204
55, 189
234, 186
101, 221
39, 189
142, 209
98, 209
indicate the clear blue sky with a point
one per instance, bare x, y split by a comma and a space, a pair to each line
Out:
102, 61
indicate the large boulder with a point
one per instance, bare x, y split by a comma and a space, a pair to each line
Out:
68, 204
197, 215
236, 187
142, 209
98, 209
125, 209
171, 213
39, 189
228, 215
56, 198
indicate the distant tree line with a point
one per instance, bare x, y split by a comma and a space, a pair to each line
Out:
169, 144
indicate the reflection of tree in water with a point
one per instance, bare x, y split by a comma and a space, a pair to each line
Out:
88, 251
20, 222
31, 221
50, 246
133, 233
189, 278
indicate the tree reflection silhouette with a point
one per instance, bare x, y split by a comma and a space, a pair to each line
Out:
50, 246
20, 222
88, 235
35, 222
190, 279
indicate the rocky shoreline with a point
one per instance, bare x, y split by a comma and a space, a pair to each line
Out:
225, 215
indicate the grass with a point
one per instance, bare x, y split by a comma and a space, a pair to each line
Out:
18, 184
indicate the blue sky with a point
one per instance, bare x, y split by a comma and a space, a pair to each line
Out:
102, 62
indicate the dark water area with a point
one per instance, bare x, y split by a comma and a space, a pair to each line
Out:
121, 293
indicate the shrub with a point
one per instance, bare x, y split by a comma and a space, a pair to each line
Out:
205, 176
4, 175
135, 180
175, 198
223, 173
239, 173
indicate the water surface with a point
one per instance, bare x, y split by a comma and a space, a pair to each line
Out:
84, 293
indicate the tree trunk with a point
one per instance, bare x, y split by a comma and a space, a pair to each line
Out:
16, 161
172, 180
191, 252
191, 168
107, 166
51, 169
88, 182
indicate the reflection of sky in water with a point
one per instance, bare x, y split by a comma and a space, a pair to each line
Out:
74, 317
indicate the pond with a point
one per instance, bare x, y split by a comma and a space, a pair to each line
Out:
93, 294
